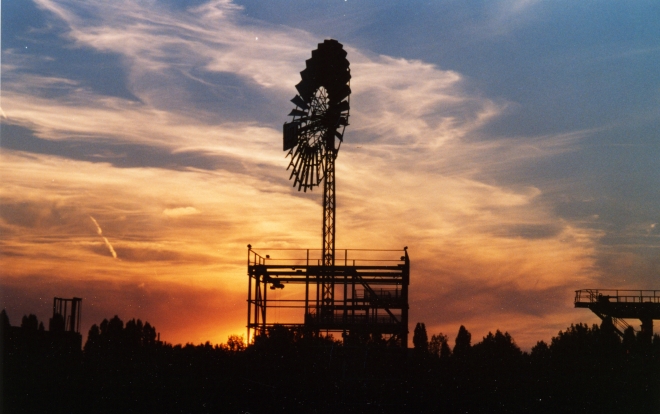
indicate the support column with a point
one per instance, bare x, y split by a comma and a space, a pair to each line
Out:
647, 327
328, 268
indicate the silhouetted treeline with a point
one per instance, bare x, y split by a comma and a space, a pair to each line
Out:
125, 368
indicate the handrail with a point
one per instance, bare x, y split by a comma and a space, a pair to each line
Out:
617, 296
361, 260
337, 250
313, 256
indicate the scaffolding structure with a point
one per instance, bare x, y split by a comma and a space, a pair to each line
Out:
364, 294
69, 310
614, 305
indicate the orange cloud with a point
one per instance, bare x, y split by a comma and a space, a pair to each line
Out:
180, 211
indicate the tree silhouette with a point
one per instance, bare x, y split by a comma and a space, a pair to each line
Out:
463, 343
124, 368
235, 343
5, 326
93, 343
540, 352
30, 322
421, 338
438, 346
4, 320
149, 335
498, 347
498, 362
56, 323
133, 333
113, 335
629, 341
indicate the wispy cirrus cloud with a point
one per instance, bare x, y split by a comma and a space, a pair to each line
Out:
180, 211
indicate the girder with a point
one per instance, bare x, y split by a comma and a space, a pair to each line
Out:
369, 299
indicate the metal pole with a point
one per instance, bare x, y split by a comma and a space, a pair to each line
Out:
249, 304
307, 287
404, 294
327, 279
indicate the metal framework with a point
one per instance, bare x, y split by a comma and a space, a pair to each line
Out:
328, 271
613, 305
70, 310
366, 296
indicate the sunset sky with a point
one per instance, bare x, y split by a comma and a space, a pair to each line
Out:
513, 146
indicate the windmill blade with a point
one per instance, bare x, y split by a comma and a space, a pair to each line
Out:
290, 134
295, 162
300, 177
315, 169
321, 109
313, 126
343, 106
294, 157
342, 92
305, 89
296, 173
305, 171
298, 101
298, 165
313, 174
310, 169
297, 112
319, 169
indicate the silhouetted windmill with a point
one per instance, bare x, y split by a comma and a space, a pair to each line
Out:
315, 134
364, 294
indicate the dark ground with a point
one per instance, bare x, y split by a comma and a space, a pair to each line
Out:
124, 369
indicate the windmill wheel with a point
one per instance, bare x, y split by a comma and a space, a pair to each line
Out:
321, 114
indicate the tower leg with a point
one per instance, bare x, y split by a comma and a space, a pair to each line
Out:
607, 324
328, 270
647, 327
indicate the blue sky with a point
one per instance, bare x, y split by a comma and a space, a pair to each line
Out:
513, 146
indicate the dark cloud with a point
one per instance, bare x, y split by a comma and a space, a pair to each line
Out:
145, 254
457, 301
629, 267
46, 215
529, 314
121, 155
528, 231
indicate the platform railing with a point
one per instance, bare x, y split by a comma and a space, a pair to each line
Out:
382, 294
314, 257
357, 319
617, 296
